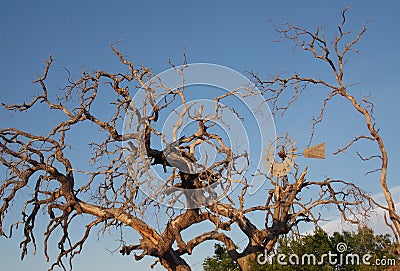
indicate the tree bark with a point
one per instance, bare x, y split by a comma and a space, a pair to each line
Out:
244, 262
173, 262
393, 267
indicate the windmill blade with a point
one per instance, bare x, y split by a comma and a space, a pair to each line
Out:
277, 169
291, 144
269, 156
292, 156
269, 152
290, 163
279, 141
270, 148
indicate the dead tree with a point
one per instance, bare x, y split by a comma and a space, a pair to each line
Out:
106, 193
282, 92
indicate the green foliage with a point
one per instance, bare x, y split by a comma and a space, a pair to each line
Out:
319, 243
362, 242
220, 261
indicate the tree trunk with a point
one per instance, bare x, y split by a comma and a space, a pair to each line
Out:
393, 267
244, 262
173, 262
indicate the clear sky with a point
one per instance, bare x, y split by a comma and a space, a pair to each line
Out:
236, 34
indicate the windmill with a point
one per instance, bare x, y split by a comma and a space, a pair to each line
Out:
281, 155
280, 160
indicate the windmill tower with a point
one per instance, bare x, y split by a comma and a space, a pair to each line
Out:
280, 159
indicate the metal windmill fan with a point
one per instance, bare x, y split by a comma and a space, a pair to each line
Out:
280, 155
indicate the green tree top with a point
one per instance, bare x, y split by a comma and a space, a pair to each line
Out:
364, 241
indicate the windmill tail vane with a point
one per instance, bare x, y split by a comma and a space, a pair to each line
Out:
317, 151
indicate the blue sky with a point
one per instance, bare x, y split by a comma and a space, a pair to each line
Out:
236, 34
